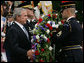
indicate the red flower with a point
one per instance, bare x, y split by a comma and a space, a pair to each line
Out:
36, 52
41, 60
37, 41
62, 21
48, 25
40, 20
49, 15
48, 40
42, 49
54, 16
50, 28
37, 23
50, 34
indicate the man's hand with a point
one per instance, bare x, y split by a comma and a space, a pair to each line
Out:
30, 54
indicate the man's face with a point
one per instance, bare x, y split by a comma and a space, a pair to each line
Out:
30, 14
10, 19
64, 14
23, 17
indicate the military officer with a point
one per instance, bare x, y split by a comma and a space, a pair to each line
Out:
10, 20
69, 41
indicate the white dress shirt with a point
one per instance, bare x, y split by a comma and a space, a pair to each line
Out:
30, 20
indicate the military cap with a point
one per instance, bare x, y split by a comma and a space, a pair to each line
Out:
10, 14
26, 5
67, 4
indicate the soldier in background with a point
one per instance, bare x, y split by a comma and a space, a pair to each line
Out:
10, 21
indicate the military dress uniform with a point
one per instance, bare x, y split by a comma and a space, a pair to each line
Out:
30, 25
9, 24
68, 47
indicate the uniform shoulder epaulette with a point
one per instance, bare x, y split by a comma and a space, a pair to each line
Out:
68, 26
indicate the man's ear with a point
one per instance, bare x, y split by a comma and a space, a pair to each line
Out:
18, 16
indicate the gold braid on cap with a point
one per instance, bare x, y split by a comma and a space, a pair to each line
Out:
27, 6
67, 5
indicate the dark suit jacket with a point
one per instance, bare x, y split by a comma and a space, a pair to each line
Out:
17, 44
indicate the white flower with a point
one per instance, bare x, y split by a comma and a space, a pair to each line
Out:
47, 46
33, 50
54, 26
48, 31
32, 40
42, 16
45, 37
49, 22
56, 14
42, 35
53, 23
37, 36
34, 29
59, 23
36, 25
50, 48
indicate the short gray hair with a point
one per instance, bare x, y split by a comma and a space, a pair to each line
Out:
72, 10
17, 12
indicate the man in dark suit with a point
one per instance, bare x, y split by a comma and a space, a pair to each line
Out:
31, 21
17, 42
71, 36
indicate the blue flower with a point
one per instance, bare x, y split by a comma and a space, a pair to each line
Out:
46, 26
37, 28
34, 37
43, 29
51, 22
40, 41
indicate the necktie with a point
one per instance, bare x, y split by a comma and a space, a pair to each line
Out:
25, 31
